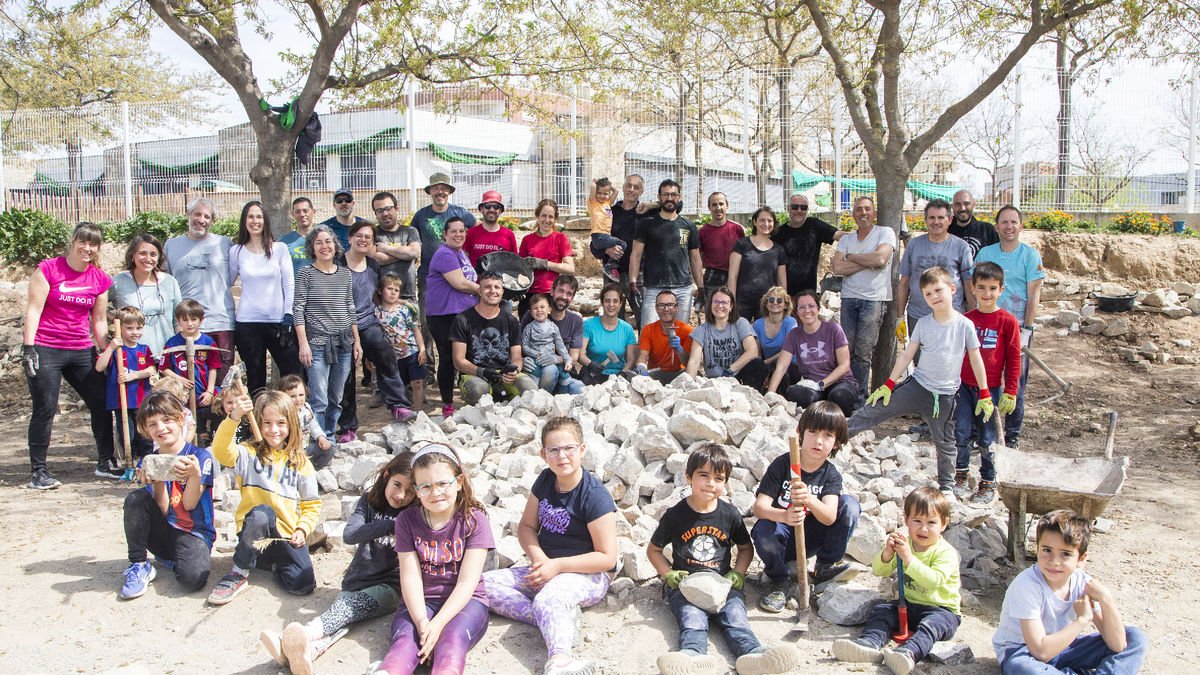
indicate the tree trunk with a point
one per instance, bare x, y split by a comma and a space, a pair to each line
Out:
890, 179
272, 173
1062, 179
784, 82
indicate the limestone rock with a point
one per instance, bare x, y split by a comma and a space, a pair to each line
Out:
1116, 328
868, 539
847, 604
655, 443
348, 503
706, 590
691, 426
160, 467
509, 552
951, 653
636, 565
365, 469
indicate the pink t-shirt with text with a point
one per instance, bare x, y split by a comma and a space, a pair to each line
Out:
66, 317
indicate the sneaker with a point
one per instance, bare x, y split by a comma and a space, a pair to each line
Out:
986, 493
229, 587
962, 487
297, 650
376, 400
447, 411
949, 492
347, 436
137, 579
366, 378
687, 663
776, 600
856, 651
109, 469
402, 414
42, 480
920, 429
274, 644
777, 659
567, 665
829, 571
612, 272
899, 661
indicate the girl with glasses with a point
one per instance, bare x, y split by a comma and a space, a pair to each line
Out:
725, 345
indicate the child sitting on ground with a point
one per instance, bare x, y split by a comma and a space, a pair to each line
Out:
317, 446
702, 530
402, 327
1051, 608
545, 352
569, 532
931, 589
601, 198
942, 338
132, 369
1000, 349
172, 519
829, 516
371, 583
189, 314
279, 505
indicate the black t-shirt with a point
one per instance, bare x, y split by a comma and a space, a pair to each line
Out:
563, 517
777, 481
802, 251
701, 542
976, 233
757, 272
623, 221
488, 340
665, 260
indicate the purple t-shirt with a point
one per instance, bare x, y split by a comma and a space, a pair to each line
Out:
816, 354
440, 297
440, 552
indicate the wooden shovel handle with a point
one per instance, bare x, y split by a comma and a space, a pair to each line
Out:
801, 555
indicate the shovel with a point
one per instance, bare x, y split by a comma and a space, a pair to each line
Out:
902, 606
124, 397
233, 383
801, 624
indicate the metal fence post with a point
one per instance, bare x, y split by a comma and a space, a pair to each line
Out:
837, 165
3, 192
1193, 128
410, 131
1016, 136
574, 152
746, 102
128, 160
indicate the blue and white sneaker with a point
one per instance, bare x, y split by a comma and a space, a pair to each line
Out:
137, 579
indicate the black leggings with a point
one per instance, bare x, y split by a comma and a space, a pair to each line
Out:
76, 366
439, 327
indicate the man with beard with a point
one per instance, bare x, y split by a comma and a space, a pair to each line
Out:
302, 213
486, 346
570, 324
673, 244
199, 261
976, 233
396, 245
490, 236
935, 248
801, 238
343, 217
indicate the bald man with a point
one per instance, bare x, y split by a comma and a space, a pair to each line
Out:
965, 226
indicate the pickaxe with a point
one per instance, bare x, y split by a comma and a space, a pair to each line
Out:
233, 382
189, 349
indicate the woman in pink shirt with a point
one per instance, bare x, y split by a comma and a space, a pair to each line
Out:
547, 251
65, 324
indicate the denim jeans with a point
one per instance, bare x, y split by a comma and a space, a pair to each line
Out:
1013, 420
861, 320
683, 296
325, 384
732, 618
292, 566
147, 529
1087, 653
970, 426
556, 380
926, 623
77, 367
378, 351
776, 542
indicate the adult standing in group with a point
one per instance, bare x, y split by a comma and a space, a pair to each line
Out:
430, 222
486, 344
774, 324
609, 342
820, 354
570, 324
547, 251
365, 275
725, 344
967, 227
302, 217
264, 314
625, 214
756, 264
397, 245
672, 243
65, 325
864, 260
717, 239
935, 248
146, 285
199, 261
450, 288
490, 236
326, 331
343, 217
664, 345
801, 238
1023, 278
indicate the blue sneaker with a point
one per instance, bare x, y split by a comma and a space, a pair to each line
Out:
137, 578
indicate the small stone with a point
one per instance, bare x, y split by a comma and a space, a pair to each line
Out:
509, 552
1176, 312
1102, 526
706, 590
1182, 344
847, 605
1067, 317
691, 426
1062, 332
868, 539
951, 653
1117, 328
637, 566
366, 468
622, 586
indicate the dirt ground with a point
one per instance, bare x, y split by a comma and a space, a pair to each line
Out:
64, 550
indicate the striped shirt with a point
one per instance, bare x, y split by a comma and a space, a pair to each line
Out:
324, 303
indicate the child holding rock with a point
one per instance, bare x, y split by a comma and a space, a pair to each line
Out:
931, 589
817, 502
702, 530
279, 505
371, 583
569, 532
442, 547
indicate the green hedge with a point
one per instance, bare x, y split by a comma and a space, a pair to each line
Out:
29, 236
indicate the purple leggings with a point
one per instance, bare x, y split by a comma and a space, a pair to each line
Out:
554, 609
450, 654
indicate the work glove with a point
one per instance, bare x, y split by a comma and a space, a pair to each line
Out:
538, 263
490, 374
736, 578
528, 364
641, 369
815, 385
902, 330
882, 394
675, 343
1008, 403
547, 359
595, 369
1026, 337
985, 407
673, 578
29, 356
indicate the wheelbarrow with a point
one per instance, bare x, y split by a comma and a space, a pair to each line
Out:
1038, 484
516, 276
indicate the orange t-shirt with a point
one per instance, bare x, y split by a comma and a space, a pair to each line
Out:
655, 342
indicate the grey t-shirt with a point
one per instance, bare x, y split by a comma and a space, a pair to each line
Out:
202, 269
401, 236
364, 284
954, 254
943, 347
722, 347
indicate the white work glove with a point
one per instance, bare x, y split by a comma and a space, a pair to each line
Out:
1026, 336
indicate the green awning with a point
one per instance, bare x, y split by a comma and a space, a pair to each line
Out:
806, 181
45, 184
379, 140
198, 166
445, 155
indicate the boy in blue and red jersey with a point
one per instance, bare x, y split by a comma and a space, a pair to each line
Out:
133, 368
189, 315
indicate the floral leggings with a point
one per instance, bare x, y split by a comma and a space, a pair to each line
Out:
554, 609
